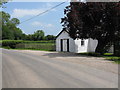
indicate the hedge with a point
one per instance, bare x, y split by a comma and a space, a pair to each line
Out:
20, 44
11, 43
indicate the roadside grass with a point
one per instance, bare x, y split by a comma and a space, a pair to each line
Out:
114, 58
107, 56
111, 57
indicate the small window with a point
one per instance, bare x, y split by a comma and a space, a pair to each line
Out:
82, 42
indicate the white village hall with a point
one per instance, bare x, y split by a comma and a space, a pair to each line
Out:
65, 43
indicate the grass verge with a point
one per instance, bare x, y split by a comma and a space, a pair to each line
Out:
113, 58
107, 56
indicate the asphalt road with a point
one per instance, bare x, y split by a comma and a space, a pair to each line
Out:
24, 70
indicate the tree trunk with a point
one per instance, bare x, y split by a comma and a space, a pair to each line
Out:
116, 48
101, 46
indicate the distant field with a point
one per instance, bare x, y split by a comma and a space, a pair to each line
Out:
37, 45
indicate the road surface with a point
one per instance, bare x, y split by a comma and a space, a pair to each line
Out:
26, 70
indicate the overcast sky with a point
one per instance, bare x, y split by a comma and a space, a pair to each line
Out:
49, 22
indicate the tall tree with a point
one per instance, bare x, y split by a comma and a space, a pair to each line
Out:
50, 37
39, 35
9, 27
95, 20
2, 2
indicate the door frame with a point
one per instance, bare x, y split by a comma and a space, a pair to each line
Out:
61, 44
67, 45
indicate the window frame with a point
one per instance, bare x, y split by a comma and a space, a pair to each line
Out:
82, 42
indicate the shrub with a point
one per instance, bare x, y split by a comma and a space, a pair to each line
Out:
11, 43
20, 44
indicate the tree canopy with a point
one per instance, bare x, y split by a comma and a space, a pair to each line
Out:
2, 2
38, 35
9, 27
10, 31
50, 37
96, 20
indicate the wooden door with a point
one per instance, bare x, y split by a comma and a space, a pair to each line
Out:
64, 45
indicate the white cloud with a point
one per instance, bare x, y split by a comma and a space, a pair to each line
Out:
36, 24
26, 12
18, 13
50, 25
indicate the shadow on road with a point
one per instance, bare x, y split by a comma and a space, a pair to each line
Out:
63, 54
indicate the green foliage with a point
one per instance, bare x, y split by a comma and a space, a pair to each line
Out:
0, 34
38, 35
2, 2
36, 46
114, 58
42, 41
50, 37
5, 17
10, 31
20, 44
11, 43
15, 21
108, 54
9, 28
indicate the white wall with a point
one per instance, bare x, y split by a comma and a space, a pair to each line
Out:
65, 35
79, 48
75, 45
92, 44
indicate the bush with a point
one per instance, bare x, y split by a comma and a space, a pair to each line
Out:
20, 44
11, 43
